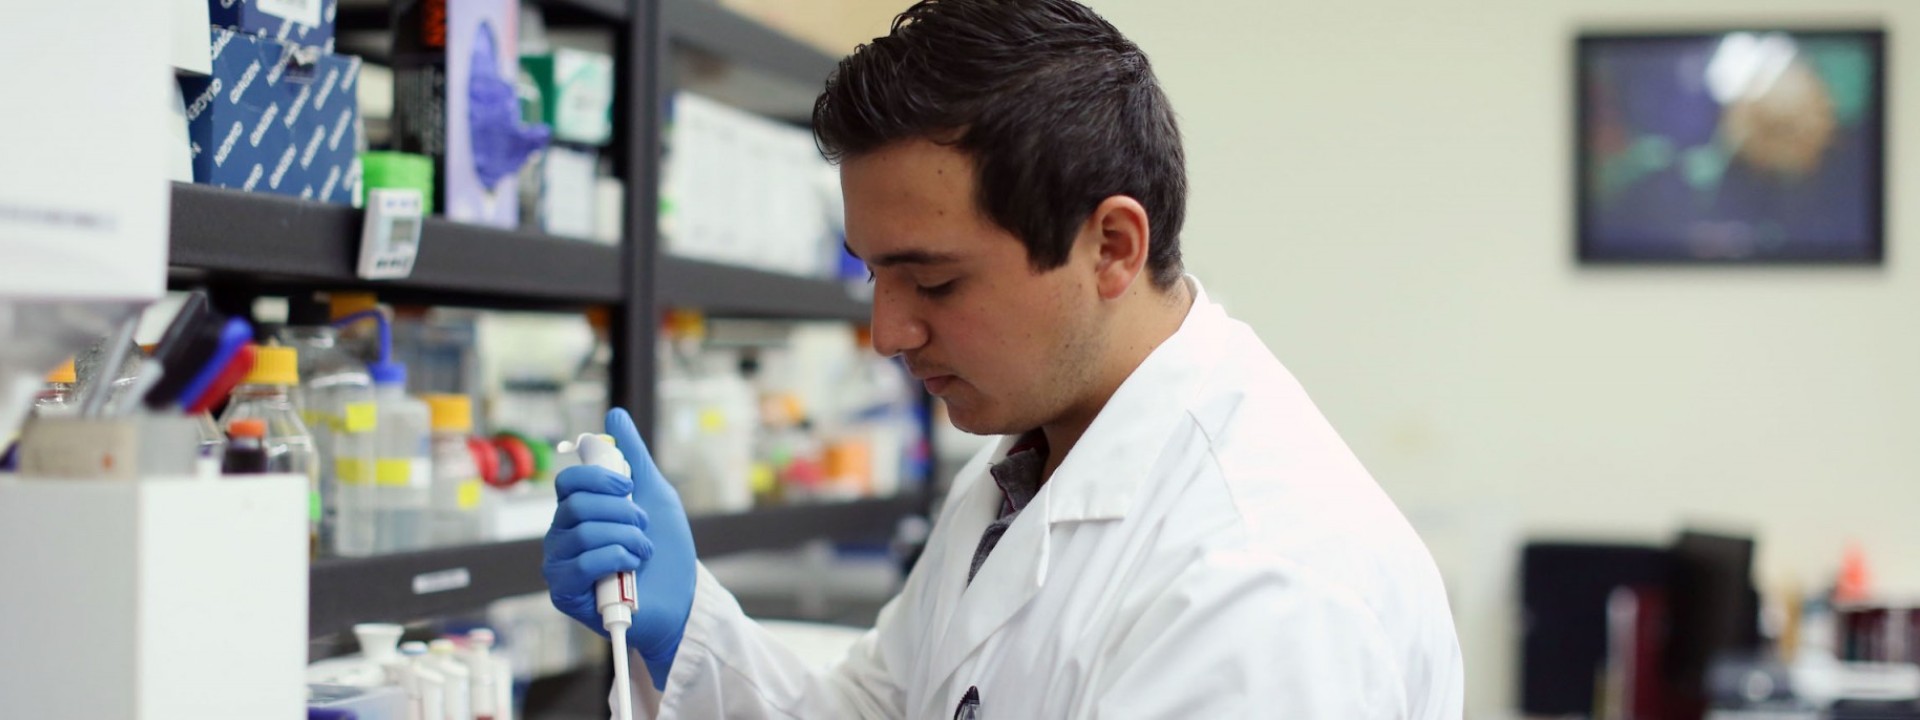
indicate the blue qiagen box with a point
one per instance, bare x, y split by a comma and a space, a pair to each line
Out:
307, 23
275, 118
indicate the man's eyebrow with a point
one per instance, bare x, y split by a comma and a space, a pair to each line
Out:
908, 257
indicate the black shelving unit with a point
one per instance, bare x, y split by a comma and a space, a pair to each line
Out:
403, 587
244, 245
729, 291
229, 237
411, 586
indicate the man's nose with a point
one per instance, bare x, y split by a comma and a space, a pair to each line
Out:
895, 328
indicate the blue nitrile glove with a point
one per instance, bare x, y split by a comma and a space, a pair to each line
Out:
598, 530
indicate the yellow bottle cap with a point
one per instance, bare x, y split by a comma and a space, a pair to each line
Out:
451, 413
275, 365
63, 374
342, 304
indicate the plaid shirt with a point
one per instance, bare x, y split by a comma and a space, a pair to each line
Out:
1019, 476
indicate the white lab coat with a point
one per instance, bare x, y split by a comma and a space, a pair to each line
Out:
1209, 549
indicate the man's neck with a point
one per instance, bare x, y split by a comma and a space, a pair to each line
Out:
1158, 318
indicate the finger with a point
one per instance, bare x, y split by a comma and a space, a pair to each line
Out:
594, 507
627, 437
601, 562
591, 479
589, 536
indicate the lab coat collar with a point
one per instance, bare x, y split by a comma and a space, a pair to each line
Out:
1101, 475
1097, 481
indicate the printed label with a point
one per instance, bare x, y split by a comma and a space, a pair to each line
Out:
253, 177
280, 171
205, 99
221, 40
360, 417
280, 66
304, 12
441, 581
469, 494
353, 471
393, 472
333, 179
313, 147
340, 129
226, 145
246, 79
326, 89
299, 104
266, 120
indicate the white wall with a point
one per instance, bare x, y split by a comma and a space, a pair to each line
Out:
1382, 189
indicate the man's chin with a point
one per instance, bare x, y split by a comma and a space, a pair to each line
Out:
976, 421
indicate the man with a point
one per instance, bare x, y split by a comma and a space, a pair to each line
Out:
1170, 529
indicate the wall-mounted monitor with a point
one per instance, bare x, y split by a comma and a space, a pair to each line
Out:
1735, 147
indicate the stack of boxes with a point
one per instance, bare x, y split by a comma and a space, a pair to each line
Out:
278, 112
576, 99
721, 159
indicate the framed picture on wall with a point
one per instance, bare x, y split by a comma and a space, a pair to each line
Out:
1735, 147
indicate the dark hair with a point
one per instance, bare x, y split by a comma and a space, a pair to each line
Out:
1057, 109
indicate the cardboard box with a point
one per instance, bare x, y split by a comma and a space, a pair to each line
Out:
568, 201
307, 23
275, 118
576, 94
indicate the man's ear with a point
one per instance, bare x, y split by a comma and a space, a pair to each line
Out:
1118, 234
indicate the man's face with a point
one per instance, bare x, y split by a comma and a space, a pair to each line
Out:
1008, 348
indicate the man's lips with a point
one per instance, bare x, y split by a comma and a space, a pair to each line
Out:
937, 383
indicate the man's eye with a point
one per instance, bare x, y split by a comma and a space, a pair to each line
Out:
936, 291
869, 276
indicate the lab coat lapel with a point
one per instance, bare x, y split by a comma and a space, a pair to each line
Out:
1011, 576
975, 505
1096, 482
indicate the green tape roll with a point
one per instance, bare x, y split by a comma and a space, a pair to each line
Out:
394, 170
542, 455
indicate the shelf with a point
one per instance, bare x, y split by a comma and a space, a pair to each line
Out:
729, 291
871, 520
410, 586
271, 240
705, 25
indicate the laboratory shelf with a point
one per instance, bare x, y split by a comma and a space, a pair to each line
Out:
729, 291
856, 521
709, 27
404, 587
269, 240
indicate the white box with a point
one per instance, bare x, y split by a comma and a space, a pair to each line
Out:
160, 599
84, 199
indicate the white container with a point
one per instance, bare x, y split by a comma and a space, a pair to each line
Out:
457, 489
403, 464
429, 686
125, 598
483, 669
335, 398
442, 657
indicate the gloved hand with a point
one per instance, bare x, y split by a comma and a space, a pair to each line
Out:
598, 530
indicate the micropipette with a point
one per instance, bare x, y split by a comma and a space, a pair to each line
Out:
614, 594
